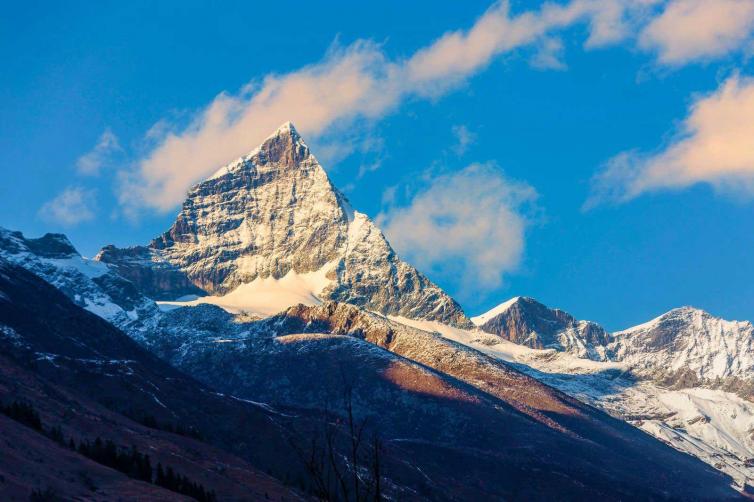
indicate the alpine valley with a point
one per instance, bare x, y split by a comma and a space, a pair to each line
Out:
272, 345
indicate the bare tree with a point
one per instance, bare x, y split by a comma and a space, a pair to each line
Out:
340, 463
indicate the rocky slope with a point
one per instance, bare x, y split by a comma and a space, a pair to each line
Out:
89, 284
435, 398
275, 212
91, 380
472, 427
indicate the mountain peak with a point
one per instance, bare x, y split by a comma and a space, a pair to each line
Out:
526, 321
285, 146
521, 302
495, 311
686, 310
287, 128
273, 213
49, 245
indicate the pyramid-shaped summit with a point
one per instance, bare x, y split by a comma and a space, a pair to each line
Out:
272, 214
284, 148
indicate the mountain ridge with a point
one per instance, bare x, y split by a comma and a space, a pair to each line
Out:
683, 347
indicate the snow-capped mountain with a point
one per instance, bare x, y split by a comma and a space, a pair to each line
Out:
712, 425
683, 348
274, 214
676, 376
88, 283
688, 347
525, 321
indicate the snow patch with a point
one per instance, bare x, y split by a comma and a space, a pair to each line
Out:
266, 296
90, 268
494, 312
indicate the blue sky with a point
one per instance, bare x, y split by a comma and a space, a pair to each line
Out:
526, 129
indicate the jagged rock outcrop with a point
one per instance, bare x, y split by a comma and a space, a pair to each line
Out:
272, 212
525, 321
155, 277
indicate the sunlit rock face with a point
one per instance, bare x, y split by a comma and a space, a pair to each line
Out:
272, 212
525, 321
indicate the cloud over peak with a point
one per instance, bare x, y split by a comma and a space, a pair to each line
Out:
469, 224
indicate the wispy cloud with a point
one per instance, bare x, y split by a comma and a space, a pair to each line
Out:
92, 162
549, 55
689, 30
714, 145
469, 225
464, 139
358, 82
72, 206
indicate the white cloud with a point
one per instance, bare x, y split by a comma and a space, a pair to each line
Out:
689, 30
71, 207
469, 225
91, 162
549, 55
354, 83
369, 167
715, 145
464, 138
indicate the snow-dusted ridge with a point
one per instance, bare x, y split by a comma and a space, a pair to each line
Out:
689, 346
685, 347
89, 283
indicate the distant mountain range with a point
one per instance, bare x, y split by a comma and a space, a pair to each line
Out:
685, 347
237, 346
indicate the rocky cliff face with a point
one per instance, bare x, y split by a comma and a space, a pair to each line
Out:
263, 215
154, 276
525, 321
272, 212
